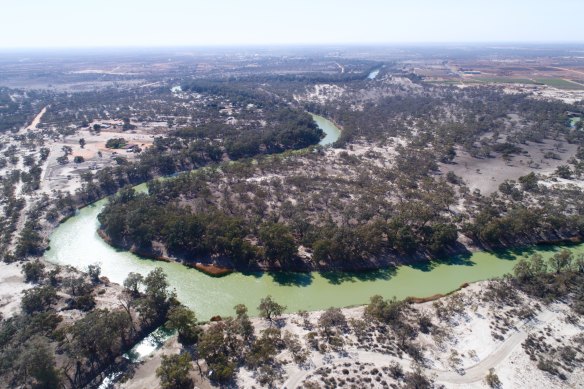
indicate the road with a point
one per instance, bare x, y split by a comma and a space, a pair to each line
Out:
35, 121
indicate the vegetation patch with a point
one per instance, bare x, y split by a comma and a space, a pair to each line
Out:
560, 83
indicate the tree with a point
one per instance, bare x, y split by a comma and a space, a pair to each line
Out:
38, 299
442, 236
522, 271
322, 250
132, 283
78, 159
155, 303
82, 142
94, 271
278, 241
33, 271
269, 309
29, 241
37, 361
28, 160
174, 372
67, 150
156, 285
245, 327
264, 349
183, 320
221, 349
561, 260
537, 263
330, 319
77, 286
100, 335
115, 143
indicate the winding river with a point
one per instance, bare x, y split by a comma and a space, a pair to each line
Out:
76, 243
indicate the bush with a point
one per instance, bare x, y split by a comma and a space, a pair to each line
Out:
396, 370
416, 380
115, 143
492, 379
386, 311
331, 319
547, 365
84, 303
425, 323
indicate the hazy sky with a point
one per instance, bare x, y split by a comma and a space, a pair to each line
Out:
87, 23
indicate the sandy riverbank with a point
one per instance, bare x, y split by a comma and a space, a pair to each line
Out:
481, 336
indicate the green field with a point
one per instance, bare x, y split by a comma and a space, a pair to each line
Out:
560, 83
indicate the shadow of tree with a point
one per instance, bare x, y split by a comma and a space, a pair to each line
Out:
292, 278
255, 274
517, 252
464, 259
339, 277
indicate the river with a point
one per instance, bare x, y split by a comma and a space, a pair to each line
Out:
332, 132
76, 243
373, 74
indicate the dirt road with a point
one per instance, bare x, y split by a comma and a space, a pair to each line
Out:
35, 122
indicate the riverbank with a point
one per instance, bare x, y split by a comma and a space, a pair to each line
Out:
77, 243
451, 352
499, 349
303, 263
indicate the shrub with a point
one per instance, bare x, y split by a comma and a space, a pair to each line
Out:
492, 379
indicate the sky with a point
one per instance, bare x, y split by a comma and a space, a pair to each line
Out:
147, 23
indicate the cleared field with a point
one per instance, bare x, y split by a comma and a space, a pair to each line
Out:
560, 83
453, 82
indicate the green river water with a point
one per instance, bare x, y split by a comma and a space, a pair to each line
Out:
76, 243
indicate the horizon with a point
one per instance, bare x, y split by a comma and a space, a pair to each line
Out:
63, 24
339, 45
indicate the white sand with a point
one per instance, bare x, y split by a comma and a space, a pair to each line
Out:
11, 286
